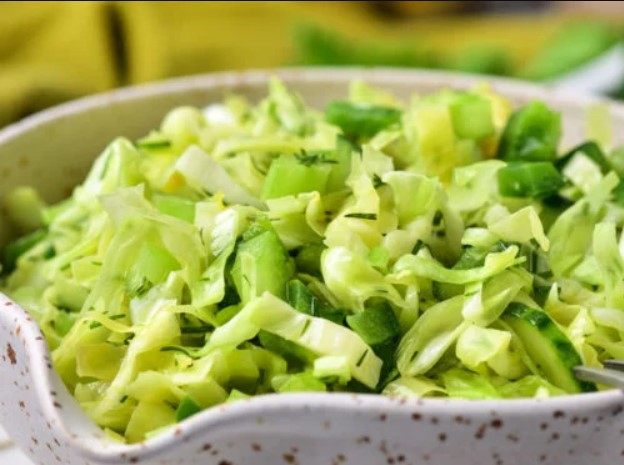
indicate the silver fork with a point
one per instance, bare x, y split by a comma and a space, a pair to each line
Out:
611, 375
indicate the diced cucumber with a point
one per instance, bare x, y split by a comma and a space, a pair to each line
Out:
472, 117
376, 325
548, 346
308, 260
532, 134
301, 299
293, 174
292, 353
531, 179
336, 315
262, 264
379, 328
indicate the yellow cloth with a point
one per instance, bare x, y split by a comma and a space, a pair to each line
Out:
54, 51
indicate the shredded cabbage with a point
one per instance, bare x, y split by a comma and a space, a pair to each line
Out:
245, 249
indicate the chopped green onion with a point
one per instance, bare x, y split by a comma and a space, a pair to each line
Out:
361, 120
376, 325
187, 408
153, 143
532, 179
362, 216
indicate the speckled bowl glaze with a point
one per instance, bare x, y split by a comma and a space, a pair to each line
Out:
52, 150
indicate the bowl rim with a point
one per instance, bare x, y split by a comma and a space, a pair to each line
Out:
38, 355
233, 79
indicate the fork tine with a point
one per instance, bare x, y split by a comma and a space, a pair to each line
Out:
600, 375
617, 365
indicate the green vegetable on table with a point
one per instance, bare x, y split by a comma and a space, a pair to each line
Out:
445, 247
572, 46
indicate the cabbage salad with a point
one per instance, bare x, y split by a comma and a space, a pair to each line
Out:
442, 247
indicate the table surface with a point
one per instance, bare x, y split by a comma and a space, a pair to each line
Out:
10, 454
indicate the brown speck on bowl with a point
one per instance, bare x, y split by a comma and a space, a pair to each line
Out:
11, 354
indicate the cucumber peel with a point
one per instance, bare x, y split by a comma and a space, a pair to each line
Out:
548, 346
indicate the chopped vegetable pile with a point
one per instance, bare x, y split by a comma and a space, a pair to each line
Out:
441, 248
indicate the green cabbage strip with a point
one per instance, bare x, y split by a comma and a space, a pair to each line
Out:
610, 263
571, 234
320, 336
440, 326
428, 268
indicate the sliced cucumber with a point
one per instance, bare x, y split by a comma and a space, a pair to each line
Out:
262, 264
292, 174
548, 346
472, 116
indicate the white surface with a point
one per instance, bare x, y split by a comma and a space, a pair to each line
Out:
10, 454
601, 75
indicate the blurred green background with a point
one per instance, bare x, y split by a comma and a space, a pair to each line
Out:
52, 52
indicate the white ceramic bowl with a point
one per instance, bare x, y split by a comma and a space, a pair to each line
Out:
52, 151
